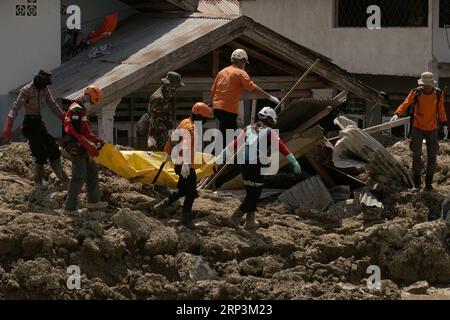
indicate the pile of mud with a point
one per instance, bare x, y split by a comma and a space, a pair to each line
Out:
129, 253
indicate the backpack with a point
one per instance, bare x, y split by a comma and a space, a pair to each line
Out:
417, 92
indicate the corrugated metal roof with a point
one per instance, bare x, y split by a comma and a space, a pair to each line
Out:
357, 148
219, 7
311, 194
139, 42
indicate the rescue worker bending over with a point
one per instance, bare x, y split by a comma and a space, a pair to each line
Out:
83, 145
251, 173
187, 182
42, 145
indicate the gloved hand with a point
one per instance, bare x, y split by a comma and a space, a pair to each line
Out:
394, 118
291, 158
7, 132
90, 147
100, 143
151, 142
445, 128
274, 99
185, 170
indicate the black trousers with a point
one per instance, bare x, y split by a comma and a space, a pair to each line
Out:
227, 120
253, 181
185, 188
42, 145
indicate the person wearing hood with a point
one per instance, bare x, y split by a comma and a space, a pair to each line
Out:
83, 146
43, 146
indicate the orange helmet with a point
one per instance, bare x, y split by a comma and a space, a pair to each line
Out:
202, 109
95, 93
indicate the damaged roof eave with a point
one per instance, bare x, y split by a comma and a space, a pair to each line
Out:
132, 73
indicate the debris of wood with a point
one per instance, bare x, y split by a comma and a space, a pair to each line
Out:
13, 178
345, 209
420, 287
266, 193
357, 148
320, 170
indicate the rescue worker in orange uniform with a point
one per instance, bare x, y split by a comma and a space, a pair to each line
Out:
427, 114
184, 160
83, 146
227, 88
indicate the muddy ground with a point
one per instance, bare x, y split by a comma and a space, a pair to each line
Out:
130, 253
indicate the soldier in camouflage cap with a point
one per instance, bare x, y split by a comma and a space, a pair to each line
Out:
160, 111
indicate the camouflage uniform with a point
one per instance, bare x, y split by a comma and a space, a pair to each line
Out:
161, 118
160, 110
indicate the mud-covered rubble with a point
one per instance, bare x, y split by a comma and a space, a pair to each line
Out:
128, 252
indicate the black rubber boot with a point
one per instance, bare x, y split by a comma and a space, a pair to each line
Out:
428, 183
186, 218
38, 176
417, 182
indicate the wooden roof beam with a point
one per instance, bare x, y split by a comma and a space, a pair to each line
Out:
261, 57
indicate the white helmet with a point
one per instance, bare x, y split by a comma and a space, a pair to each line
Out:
239, 54
268, 112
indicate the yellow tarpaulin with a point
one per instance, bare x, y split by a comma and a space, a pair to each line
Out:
142, 166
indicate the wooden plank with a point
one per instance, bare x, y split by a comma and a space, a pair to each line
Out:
320, 170
362, 183
381, 127
261, 57
388, 125
309, 123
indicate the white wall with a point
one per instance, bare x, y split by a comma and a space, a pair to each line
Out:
441, 46
27, 44
389, 51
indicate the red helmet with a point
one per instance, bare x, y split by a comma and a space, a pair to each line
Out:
95, 93
201, 108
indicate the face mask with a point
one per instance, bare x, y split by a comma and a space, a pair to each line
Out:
40, 83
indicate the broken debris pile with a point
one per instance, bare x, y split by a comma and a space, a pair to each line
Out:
129, 253
357, 148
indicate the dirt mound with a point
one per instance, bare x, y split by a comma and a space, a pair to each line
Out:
129, 253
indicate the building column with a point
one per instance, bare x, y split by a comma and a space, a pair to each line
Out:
105, 117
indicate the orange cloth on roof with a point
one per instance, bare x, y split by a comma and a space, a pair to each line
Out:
228, 87
425, 114
110, 23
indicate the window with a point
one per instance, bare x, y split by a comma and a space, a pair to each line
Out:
394, 13
27, 9
444, 13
